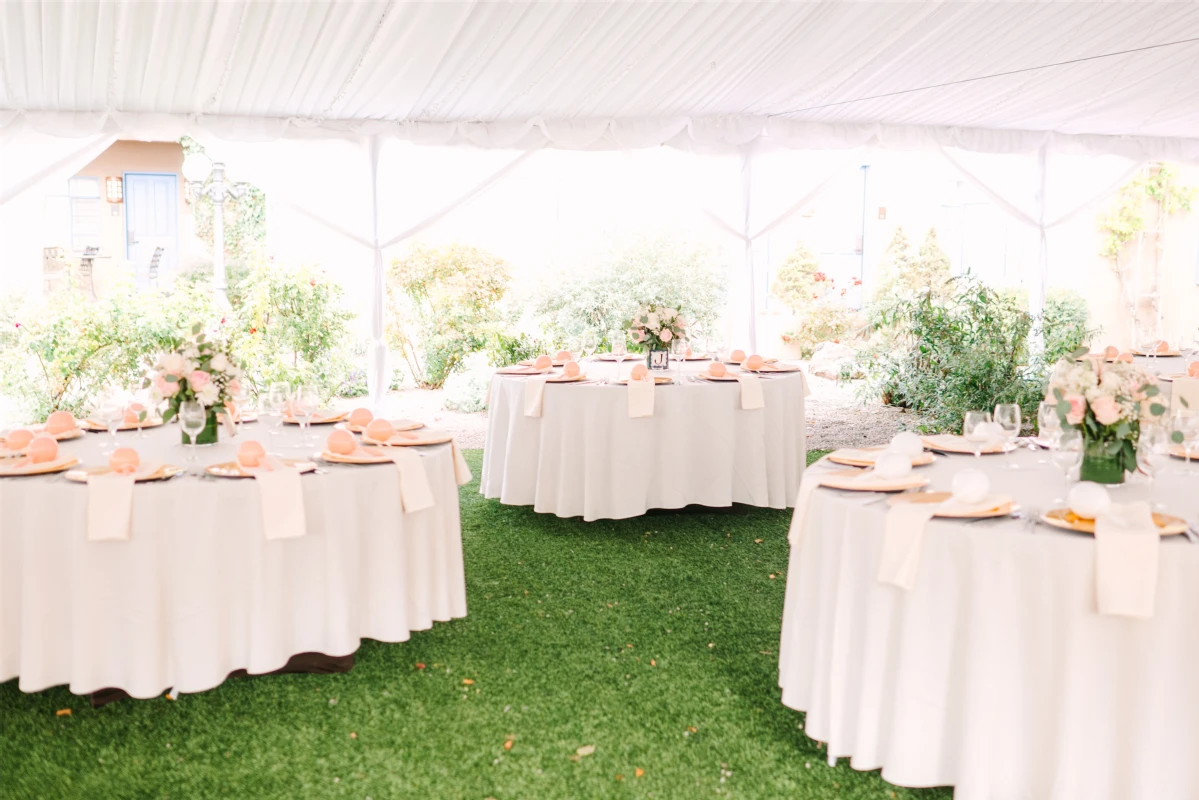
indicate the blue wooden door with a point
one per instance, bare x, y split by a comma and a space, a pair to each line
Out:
151, 218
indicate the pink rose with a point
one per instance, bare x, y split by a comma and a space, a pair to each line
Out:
233, 386
666, 335
1105, 410
165, 388
638, 335
198, 380
1078, 408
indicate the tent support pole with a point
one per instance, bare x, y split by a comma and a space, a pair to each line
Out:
377, 377
747, 155
1040, 286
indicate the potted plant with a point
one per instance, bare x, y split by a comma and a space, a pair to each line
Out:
654, 328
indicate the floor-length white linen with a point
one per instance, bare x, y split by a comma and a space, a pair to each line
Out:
995, 673
585, 457
198, 591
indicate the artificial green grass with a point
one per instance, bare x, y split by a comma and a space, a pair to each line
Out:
653, 640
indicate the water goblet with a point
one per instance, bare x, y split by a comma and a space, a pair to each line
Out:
111, 411
307, 403
192, 418
1153, 456
278, 397
589, 344
1007, 415
616, 341
971, 430
678, 349
1066, 455
1049, 424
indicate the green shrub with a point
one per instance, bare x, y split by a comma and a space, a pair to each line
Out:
292, 327
444, 304
506, 349
966, 351
820, 310
663, 272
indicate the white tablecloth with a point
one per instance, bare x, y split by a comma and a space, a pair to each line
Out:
994, 673
197, 592
585, 457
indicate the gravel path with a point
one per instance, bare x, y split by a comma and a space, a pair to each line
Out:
835, 417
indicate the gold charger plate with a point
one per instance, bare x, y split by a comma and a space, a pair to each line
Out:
418, 439
1178, 451
529, 362
851, 480
359, 456
231, 469
697, 358
725, 377
323, 420
921, 460
1066, 519
567, 379
1167, 354
57, 465
165, 472
522, 371
610, 357
659, 380
100, 427
774, 369
952, 443
1000, 505
764, 361
398, 424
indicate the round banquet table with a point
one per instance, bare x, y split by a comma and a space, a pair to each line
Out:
994, 673
197, 592
584, 456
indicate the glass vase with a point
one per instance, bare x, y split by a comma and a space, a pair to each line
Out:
1098, 466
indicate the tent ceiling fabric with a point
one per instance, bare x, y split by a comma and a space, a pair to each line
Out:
611, 74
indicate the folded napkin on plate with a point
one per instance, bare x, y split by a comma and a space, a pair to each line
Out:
641, 398
534, 393
282, 499
415, 492
751, 391
1127, 543
462, 474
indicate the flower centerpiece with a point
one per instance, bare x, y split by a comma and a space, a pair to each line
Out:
1108, 404
196, 368
654, 327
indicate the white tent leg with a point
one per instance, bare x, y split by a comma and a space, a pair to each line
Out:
1039, 286
378, 374
746, 193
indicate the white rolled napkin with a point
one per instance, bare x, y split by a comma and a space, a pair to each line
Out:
751, 391
534, 394
1127, 546
109, 507
903, 542
807, 484
462, 474
415, 492
641, 398
282, 498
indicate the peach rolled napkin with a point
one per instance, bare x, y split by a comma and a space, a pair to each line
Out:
415, 492
282, 499
462, 473
534, 394
903, 542
751, 391
110, 503
1127, 545
641, 398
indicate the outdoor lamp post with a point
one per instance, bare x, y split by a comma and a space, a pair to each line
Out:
196, 169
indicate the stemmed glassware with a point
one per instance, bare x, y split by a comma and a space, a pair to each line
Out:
240, 398
1066, 455
111, 411
1007, 415
192, 418
589, 343
970, 430
616, 339
1049, 425
678, 349
1153, 455
277, 398
307, 403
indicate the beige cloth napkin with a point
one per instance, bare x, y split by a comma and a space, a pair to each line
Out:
462, 474
415, 492
751, 391
282, 498
641, 398
1127, 545
534, 394
807, 485
903, 542
110, 503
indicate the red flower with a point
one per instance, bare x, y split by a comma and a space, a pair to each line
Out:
312, 282
819, 276
857, 281
222, 320
843, 291
420, 665
18, 324
253, 330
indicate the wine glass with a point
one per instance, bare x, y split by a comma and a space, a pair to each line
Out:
111, 411
192, 418
307, 403
277, 398
678, 349
1007, 415
974, 431
241, 396
1153, 455
589, 343
1066, 455
716, 345
616, 339
1049, 425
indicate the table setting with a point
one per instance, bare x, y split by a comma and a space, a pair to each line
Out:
162, 563
624, 437
1013, 619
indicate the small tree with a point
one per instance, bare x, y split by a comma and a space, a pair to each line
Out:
444, 304
820, 310
795, 281
903, 273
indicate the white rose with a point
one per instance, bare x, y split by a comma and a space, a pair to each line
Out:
208, 395
652, 321
219, 363
667, 335
174, 363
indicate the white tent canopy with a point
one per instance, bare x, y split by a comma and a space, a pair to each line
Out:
1006, 91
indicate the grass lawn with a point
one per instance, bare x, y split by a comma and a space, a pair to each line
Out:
653, 641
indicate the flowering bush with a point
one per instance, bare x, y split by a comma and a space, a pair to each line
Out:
1107, 402
654, 327
195, 369
819, 305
